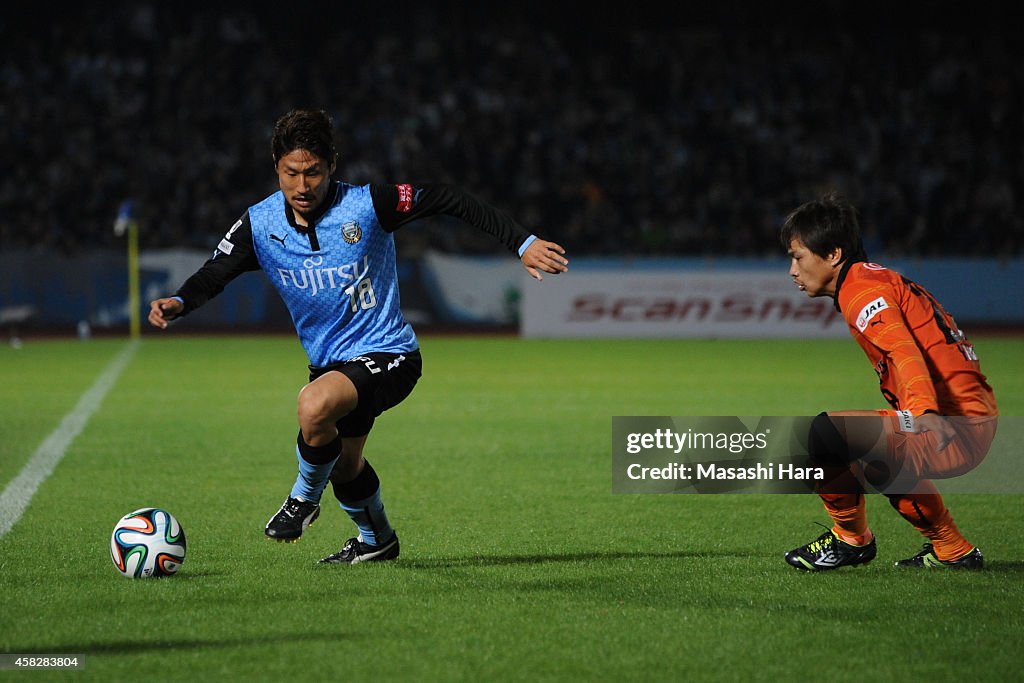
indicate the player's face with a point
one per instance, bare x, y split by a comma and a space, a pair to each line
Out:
305, 180
813, 274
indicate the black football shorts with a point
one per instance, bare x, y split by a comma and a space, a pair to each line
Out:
383, 380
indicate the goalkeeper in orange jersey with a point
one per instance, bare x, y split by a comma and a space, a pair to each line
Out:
943, 415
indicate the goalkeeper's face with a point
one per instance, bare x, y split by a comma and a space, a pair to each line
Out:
816, 275
305, 180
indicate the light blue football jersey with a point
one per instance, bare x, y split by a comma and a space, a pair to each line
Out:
343, 297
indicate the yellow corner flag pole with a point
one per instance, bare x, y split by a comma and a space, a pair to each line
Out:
133, 279
126, 222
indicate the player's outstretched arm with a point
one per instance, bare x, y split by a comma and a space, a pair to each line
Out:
162, 311
544, 256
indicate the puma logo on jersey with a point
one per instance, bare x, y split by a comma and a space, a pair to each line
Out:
394, 364
869, 312
279, 239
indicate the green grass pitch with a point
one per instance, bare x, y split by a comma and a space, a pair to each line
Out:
518, 563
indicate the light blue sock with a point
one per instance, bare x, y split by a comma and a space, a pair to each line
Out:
312, 479
368, 514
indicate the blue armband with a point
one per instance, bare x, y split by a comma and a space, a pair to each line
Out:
529, 240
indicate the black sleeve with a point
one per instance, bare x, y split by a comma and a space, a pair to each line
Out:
234, 255
397, 205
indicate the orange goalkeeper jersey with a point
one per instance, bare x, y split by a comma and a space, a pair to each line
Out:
924, 362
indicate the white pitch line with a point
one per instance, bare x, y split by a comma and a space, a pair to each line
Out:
15, 498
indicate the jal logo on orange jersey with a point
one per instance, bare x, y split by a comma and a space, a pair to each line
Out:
869, 312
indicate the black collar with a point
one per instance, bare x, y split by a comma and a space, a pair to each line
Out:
843, 272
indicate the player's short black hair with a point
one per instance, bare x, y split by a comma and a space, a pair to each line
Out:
308, 129
825, 224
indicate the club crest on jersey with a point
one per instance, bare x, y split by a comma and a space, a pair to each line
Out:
869, 312
351, 232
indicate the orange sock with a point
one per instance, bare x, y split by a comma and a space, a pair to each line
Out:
850, 517
925, 510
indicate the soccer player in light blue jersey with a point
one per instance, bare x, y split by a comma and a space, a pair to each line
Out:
328, 247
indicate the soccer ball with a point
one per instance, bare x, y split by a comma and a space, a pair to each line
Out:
147, 542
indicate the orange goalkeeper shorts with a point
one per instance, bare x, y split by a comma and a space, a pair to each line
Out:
918, 452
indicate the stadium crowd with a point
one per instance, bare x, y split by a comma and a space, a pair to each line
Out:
674, 140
